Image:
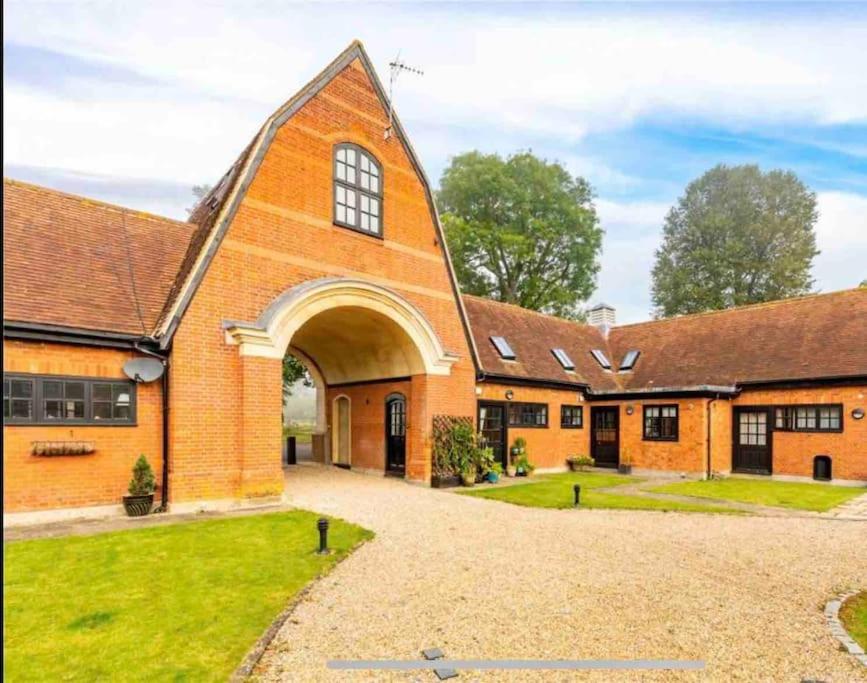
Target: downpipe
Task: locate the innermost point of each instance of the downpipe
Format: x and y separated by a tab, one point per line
164	359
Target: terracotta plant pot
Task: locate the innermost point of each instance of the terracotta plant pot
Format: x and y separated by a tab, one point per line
468	478
138	506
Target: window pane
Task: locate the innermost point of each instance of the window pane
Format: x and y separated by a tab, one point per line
75	390
350	157
341	154
350	216
341	213
6	388
341	195
350	175
365	181
52	389
101	392
74	410
374	184
374	206
374	224
365	222
350	199
365	203
53	410
101	411
122	412
21	408
341	171
365	162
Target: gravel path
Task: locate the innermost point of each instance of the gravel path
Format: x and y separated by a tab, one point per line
484	579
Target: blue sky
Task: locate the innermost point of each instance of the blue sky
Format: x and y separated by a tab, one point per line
134	103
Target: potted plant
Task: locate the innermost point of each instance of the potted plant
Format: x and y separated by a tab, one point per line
141	489
578	463
494	472
523	467
625	464
519	448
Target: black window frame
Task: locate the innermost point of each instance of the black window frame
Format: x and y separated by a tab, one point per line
37	413
357	190
503	347
625	364
674	434
790	417
9	397
600	357
564	359
525	409
565	410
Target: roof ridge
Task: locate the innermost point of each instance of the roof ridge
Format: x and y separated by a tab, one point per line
528	310
147	215
745	307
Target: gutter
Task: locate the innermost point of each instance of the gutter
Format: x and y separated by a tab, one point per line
531	382
708	465
164	358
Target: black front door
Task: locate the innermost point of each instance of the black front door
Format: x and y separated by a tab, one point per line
492	425
604	436
752	441
395	434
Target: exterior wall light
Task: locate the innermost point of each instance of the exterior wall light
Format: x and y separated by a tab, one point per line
858	414
630	409
510	395
478	391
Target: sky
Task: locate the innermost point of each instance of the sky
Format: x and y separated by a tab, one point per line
134	103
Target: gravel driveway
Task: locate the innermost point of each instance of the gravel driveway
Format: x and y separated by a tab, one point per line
484	579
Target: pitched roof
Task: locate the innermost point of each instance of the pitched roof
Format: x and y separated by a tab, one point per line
77	262
532	337
817	336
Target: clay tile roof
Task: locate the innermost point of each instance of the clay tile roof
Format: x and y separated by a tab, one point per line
532	336
818	336
74	262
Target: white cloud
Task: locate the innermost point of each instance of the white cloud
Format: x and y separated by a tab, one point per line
841	236
528	77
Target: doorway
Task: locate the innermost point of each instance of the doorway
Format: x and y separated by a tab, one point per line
395	434
605	436
341	439
752	442
492	425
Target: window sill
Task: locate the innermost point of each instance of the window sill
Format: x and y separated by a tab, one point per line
359	231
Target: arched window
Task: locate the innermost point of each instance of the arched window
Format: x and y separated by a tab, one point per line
357	189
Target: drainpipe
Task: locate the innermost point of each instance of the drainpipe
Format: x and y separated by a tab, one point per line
708	470
164	487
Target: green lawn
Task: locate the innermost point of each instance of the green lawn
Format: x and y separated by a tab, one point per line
303	433
555	491
173	603
853	614
801	496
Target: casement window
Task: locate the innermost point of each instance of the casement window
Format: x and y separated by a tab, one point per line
813	418
660	423
528	415
357	189
51	399
571	417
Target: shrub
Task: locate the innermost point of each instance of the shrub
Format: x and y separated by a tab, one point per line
580	462
143	481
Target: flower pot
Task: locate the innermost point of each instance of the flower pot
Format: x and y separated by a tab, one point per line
138	506
445	481
574	466
493	477
624	469
510	471
468	478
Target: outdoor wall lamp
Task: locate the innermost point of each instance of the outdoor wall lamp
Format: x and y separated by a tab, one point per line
510	395
630	410
858	414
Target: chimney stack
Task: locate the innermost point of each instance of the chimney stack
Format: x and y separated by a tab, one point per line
602	316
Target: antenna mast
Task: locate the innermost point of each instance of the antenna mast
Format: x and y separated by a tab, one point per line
396	67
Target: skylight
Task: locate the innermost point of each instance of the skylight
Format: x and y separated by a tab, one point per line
629	359
503	348
601	358
563	359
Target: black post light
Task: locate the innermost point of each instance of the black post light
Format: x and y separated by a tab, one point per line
322	525
577	489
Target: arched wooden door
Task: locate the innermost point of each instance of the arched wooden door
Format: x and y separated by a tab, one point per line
395	434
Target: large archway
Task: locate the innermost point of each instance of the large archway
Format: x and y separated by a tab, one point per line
361	342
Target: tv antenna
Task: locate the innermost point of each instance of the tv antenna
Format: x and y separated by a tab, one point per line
397	67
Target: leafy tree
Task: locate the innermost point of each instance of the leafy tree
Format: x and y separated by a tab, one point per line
737	236
863	283
199	192
293	370
521	230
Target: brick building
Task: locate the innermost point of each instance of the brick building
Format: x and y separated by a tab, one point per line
322	240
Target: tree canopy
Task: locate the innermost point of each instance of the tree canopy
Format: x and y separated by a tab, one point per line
737	236
521	230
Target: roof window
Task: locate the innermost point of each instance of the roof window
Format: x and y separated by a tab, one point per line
601	358
563	358
629	360
503	348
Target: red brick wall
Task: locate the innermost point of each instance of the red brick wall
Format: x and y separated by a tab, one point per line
793	452
283	235
38	483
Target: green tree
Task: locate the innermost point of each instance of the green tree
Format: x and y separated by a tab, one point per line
293	370
521	230
737	236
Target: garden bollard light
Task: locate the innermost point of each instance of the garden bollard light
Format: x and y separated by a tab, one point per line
577	488
322	525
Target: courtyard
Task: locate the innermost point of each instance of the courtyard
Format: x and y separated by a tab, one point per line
483	579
